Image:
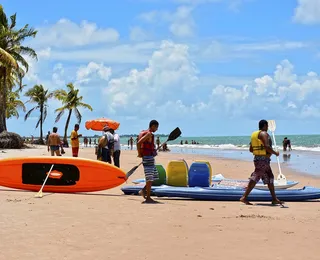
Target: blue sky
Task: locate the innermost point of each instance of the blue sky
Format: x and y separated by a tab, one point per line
211	67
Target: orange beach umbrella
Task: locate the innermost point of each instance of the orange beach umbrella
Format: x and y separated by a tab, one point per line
100	123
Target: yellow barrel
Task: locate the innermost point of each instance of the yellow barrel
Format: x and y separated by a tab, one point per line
177	173
210	168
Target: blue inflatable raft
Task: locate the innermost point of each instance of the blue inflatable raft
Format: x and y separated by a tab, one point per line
226	194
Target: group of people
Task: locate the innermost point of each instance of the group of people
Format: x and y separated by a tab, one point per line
55	144
260	146
186	142
109	147
286	143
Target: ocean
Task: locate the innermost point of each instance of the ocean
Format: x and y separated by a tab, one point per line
298	142
304	157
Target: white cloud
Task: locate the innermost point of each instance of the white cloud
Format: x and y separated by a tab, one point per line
137	34
58	75
280	95
169	87
271	46
169	73
124	53
222	51
44	53
66	33
183	24
151	17
86	73
307	12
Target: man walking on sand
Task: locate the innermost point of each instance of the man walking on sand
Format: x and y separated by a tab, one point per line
261	147
146	151
75	140
54	142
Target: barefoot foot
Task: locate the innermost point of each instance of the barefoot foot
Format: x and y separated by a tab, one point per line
142	193
150	201
244	200
277	202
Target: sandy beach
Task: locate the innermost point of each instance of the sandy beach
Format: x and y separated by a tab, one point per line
110	225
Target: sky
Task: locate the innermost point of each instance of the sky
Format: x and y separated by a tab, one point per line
210	67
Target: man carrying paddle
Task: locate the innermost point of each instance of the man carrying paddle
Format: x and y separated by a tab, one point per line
146	151
261	147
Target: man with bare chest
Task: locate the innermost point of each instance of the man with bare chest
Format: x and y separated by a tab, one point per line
54	142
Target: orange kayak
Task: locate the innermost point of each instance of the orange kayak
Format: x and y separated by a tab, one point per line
68	175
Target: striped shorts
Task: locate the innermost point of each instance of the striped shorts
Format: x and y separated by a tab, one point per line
150	170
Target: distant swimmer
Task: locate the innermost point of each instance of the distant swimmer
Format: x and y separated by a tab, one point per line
261	147
286	143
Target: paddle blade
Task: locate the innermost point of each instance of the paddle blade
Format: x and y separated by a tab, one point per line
129	173
39	195
272	125
174	134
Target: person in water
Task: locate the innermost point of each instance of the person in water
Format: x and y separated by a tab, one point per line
146	151
261	147
286	143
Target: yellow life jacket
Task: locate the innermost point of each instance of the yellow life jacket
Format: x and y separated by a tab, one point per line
257	145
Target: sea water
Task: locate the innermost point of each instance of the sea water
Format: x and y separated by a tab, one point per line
304	157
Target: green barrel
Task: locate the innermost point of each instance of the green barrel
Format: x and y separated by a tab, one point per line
162	176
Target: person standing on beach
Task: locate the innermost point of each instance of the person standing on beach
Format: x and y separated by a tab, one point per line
131	142
146	151
54	142
158	142
106	145
261	147
75	140
116	149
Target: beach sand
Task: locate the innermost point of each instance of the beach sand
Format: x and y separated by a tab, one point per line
110	225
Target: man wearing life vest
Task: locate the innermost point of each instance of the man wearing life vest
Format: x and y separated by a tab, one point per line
146	151
261	147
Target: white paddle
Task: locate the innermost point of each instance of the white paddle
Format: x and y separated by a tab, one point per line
39	194
281	179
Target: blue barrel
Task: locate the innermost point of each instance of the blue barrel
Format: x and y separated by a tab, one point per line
199	175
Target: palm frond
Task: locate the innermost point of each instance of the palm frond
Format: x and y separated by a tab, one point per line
65	107
45	112
13	20
60	114
77	114
29	112
25	33
3	17
85	106
60	94
7	60
28	51
38	121
21	60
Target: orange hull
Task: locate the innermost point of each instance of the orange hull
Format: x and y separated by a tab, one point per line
68	175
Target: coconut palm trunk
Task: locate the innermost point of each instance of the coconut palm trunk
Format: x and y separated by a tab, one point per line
71	101
65	137
3	101
41	124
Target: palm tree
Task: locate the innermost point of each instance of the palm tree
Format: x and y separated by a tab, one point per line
13	104
70	102
13	65
39	96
